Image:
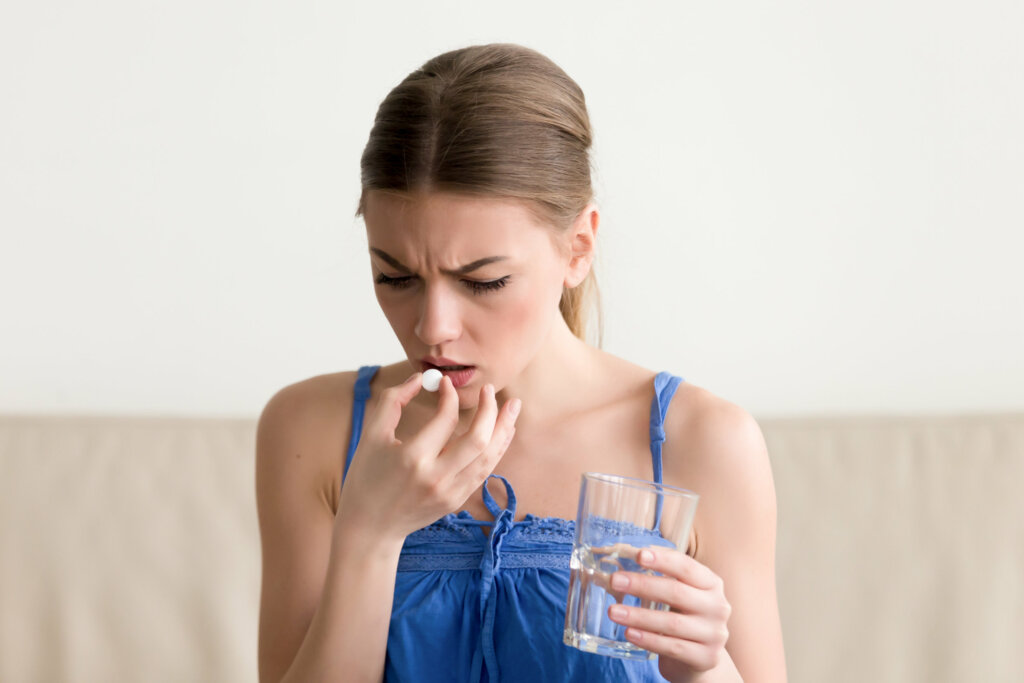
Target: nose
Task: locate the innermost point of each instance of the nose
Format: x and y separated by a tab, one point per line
439	317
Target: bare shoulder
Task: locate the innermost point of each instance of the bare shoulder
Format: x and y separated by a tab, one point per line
703	428
304	429
312	397
716	449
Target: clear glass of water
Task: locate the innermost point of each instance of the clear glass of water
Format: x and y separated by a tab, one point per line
616	519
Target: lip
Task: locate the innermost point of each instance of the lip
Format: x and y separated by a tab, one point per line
432	361
459	378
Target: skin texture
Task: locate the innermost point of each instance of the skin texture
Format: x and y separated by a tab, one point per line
541	408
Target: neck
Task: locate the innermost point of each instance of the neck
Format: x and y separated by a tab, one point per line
553	381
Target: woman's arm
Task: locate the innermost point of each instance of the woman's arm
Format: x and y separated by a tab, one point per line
721	454
326	591
347	638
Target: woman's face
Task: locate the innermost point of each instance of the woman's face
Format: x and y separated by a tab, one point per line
468	283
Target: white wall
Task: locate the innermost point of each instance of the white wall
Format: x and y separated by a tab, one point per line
808	207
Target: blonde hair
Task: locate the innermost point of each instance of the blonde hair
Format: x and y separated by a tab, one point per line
498	120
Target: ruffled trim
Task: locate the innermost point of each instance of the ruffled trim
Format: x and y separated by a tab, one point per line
458	528
550	528
431	562
450	528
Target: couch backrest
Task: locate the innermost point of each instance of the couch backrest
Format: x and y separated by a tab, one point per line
901	548
129	549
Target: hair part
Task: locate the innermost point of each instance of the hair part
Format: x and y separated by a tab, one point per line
498	120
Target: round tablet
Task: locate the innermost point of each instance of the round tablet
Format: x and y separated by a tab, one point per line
432	379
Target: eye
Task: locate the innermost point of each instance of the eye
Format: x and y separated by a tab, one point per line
394	282
484	287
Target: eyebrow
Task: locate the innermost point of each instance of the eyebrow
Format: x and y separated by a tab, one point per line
462	270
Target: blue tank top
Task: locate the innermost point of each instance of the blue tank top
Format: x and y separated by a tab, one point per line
470	606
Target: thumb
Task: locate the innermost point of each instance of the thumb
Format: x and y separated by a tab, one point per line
391	402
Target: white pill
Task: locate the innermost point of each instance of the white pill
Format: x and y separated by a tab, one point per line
432	379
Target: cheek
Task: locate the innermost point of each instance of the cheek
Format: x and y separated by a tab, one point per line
526	313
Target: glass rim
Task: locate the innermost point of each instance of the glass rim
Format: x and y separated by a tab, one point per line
642	484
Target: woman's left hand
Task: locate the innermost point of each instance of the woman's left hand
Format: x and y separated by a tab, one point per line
690	638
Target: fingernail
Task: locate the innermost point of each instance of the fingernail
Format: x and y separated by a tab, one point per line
414	376
514	408
620	581
646	557
617	612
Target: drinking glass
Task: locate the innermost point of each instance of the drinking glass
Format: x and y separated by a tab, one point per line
616	519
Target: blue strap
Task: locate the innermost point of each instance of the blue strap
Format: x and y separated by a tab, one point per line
665	385
361	394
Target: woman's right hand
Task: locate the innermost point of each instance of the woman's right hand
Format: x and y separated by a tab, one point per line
395	487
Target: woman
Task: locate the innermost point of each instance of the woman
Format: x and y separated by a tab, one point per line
385	552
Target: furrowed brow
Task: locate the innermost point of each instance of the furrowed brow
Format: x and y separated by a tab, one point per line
390	260
462	270
479	263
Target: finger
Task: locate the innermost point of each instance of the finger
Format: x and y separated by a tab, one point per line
663	589
698	656
477	469
686	626
471	444
435	434
675	563
610	564
391	402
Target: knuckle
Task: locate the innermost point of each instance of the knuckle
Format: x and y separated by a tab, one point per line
677	623
709	659
703	658
686	576
436	490
414	457
680	650
481	469
506	442
477	441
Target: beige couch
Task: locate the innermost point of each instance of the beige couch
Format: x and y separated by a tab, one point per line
129	549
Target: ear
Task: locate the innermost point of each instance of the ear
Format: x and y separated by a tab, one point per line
582	245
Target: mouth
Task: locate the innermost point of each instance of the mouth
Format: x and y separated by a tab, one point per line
460	375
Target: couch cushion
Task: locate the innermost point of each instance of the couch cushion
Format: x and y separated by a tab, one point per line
901	547
129	550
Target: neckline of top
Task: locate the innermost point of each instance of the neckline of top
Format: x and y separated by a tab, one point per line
466	517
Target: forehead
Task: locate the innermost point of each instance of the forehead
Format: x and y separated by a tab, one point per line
426	221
